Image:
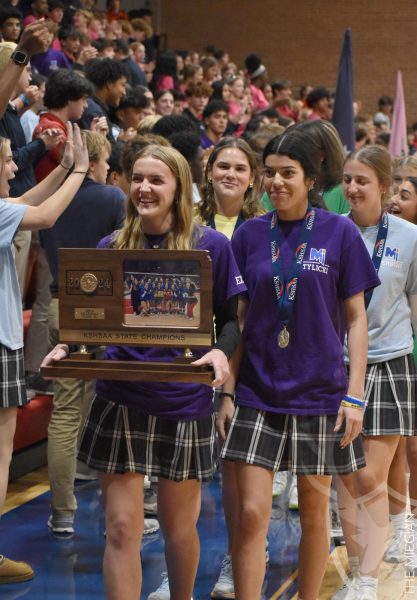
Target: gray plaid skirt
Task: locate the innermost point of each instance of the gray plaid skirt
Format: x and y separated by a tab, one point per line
120	439
303	444
12	378
390	396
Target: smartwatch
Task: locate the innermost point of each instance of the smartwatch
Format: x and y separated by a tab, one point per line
20	58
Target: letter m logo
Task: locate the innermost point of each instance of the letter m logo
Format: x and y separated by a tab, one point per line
392	253
318	255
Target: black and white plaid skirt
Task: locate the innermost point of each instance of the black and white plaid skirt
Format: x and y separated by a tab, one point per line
390	396
12	378
120	439
303	444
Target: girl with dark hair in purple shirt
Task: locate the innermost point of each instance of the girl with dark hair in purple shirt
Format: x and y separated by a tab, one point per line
306	270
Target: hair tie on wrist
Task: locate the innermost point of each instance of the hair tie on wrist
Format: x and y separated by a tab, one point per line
64	167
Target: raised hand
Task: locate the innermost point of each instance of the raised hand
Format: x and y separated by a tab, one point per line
51	137
67	159
35	38
81	162
99	125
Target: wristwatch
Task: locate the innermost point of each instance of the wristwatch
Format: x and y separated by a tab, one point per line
20	58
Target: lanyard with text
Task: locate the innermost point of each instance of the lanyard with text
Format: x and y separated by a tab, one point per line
286	290
212	224
378	253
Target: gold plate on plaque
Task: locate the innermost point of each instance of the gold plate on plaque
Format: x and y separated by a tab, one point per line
89	313
88	283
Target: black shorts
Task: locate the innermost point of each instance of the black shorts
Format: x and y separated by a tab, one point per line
12	378
306	445
120	439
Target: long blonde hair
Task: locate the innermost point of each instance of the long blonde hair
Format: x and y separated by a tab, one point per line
183	233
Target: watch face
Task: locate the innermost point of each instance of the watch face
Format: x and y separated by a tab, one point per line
20	57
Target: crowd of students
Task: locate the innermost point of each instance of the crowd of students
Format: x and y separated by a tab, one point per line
314	312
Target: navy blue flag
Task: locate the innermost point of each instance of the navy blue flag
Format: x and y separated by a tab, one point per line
343	118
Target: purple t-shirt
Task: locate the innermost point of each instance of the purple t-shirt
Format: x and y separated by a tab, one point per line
307	377
185	401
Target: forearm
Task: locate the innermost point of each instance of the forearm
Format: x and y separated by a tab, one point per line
413	305
45	215
45	188
9	78
357	336
234	363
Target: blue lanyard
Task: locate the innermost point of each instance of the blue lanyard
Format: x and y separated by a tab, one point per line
212	224
286	289
378	252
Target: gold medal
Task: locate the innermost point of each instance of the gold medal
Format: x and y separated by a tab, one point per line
283	338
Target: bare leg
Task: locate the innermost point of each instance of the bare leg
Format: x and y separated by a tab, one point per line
123	502
7	429
254	511
397	483
178	510
313	494
348	512
230	499
372	497
412	463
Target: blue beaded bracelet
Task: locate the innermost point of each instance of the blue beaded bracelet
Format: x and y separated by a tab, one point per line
353	400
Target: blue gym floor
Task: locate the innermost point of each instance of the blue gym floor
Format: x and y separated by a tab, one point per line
71	569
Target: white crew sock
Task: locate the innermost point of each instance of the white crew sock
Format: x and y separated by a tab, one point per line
398	522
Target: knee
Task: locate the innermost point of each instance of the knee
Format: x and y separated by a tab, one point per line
252	519
119	531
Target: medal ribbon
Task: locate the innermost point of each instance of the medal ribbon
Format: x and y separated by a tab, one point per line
378	252
240	220
286	289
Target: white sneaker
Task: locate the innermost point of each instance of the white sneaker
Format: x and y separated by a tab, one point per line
225	587
366	593
395	553
162	593
150	526
349	590
279	484
293	495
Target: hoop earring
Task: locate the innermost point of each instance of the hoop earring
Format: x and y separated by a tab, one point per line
209	180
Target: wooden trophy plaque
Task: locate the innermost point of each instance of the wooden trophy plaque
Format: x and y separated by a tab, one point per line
134	298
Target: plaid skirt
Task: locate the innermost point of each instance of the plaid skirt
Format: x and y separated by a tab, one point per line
303	444
390	396
12	378
120	439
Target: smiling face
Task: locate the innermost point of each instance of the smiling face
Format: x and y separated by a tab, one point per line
404	204
287	187
165	104
231	175
8	170
400	175
115	90
152	192
361	187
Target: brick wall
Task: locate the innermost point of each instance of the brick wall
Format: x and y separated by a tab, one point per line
301	39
